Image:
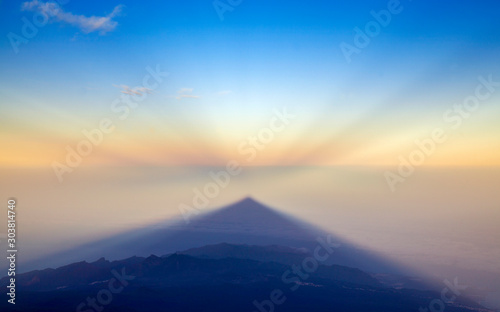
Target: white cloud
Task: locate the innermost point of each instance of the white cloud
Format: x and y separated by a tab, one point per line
186	93
54	12
133	91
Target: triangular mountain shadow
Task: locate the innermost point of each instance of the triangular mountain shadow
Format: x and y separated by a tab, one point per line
244	222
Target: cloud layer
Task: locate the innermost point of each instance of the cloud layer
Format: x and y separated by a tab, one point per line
54	12
186	93
133	91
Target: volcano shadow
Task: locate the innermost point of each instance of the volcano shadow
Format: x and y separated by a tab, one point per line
244	222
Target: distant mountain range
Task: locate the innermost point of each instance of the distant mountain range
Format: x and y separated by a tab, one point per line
203	279
242	257
181	268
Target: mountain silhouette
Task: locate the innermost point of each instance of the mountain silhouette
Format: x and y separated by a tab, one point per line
176	269
180	282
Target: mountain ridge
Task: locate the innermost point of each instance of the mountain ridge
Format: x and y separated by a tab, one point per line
182	282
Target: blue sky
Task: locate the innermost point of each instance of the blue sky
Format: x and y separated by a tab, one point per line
258	42
262	55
